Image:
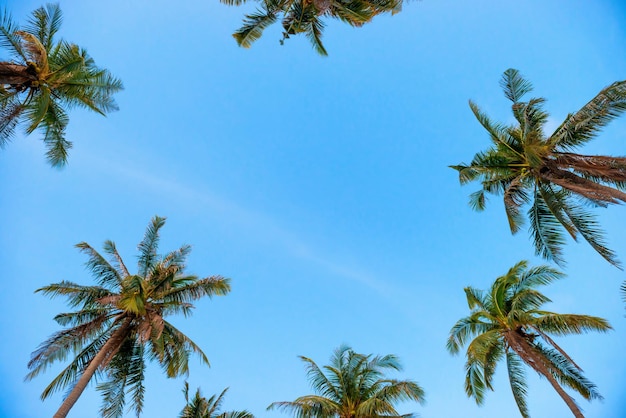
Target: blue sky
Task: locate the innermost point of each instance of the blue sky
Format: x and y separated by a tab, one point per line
319	185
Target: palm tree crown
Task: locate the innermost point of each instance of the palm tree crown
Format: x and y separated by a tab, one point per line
121	322
353	386
201	407
305	16
45	78
508	322
529	168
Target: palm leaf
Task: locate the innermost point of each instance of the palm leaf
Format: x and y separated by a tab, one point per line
517	378
514	85
149	245
253	26
546	231
584	125
9	40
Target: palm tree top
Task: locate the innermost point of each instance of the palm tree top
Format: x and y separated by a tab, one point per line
122	320
201	407
45	78
532	169
353	386
306	17
508	321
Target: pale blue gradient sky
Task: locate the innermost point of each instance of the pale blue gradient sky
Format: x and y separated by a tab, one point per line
319	185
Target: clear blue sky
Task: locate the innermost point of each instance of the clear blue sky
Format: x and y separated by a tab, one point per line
319	185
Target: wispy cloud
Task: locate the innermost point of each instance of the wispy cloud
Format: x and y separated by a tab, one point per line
257	224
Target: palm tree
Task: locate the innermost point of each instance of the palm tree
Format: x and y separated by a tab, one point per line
45	78
353	386
120	322
507	322
529	168
201	407
305	16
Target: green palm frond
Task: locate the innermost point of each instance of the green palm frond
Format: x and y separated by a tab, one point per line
514	198
514	85
566	324
9	40
499	134
106	274
590	230
253	26
567	374
45	23
466	328
149	245
314	33
77	295
53	125
557	201
116	263
354	13
530	277
210	286
545	230
582	126
319	381
517	378
475	385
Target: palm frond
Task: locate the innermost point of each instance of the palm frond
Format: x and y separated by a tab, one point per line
253	26
514	85
567	373
45	23
517	378
209	286
582	126
54	124
314	33
589	228
149	245
106	274
546	231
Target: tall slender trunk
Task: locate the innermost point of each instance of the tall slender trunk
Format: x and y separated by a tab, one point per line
14	74
528	355
108	350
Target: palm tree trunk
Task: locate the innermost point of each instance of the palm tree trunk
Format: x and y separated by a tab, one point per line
108	350
526	353
14	74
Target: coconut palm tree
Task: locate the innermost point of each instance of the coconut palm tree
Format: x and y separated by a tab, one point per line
305	16
120	322
46	77
353	386
507	322
530	168
201	407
